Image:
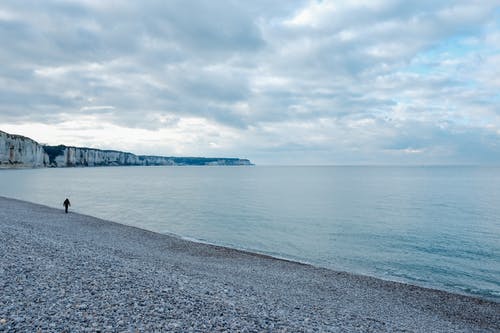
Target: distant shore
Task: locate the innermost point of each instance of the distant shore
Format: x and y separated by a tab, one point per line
17	151
71	272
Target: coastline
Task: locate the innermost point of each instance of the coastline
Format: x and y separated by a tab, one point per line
76	272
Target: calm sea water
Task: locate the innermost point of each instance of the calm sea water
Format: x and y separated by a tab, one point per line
437	227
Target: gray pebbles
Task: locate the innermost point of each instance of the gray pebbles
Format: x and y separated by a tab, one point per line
74	273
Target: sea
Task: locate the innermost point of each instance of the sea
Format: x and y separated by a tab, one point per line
432	226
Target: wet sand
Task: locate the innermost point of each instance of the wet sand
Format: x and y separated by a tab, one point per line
71	272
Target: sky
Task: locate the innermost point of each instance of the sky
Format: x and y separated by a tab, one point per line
359	82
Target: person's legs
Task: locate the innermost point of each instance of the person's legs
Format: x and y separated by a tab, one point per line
66	209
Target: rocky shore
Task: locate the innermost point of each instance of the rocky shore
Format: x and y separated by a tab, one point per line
71	272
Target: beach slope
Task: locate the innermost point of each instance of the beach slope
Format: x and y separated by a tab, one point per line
71	272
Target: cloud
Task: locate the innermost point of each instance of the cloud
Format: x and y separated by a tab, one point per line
382	81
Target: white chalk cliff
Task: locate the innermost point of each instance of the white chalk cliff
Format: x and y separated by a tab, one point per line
22	152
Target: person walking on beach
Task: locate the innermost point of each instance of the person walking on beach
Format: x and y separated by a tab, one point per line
66	204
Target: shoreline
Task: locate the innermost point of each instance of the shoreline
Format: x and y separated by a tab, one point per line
477	296
273	257
255	252
179	284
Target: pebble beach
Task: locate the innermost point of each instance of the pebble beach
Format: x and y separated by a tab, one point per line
76	273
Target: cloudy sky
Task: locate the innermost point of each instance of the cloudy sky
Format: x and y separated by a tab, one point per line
278	82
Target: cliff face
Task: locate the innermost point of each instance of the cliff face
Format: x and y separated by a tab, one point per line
19	151
62	156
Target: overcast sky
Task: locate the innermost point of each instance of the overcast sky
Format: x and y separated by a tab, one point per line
278	82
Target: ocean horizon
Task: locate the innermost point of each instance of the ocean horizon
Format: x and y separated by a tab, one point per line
432	226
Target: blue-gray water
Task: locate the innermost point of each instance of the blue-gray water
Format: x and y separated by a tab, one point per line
437	227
